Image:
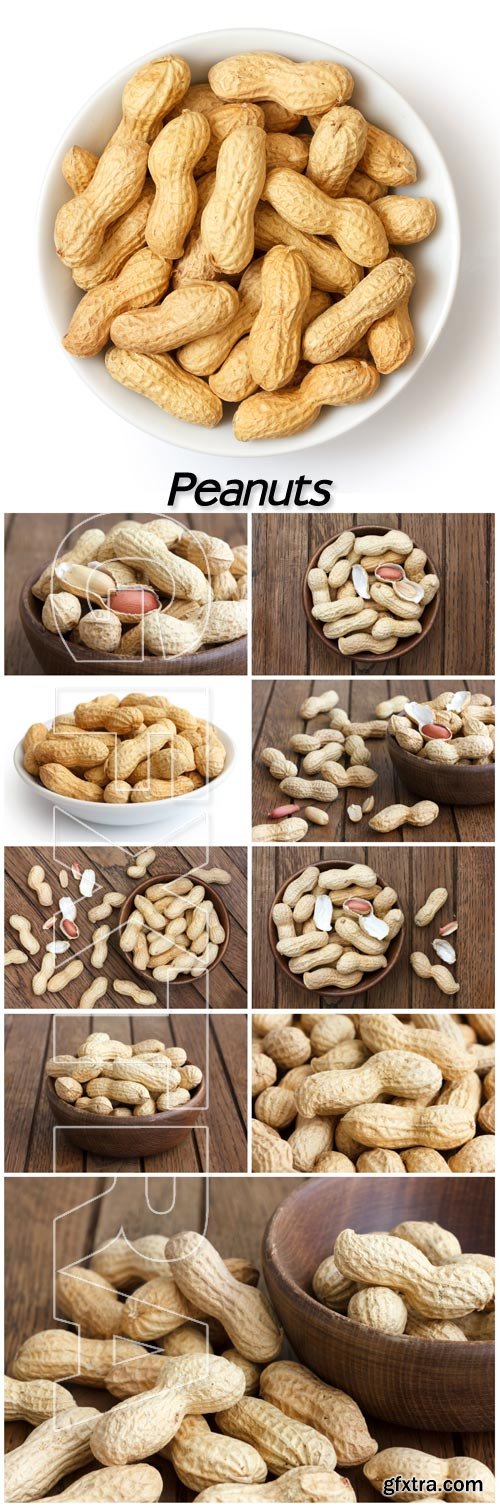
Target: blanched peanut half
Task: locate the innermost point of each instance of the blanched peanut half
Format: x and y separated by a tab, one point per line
227	224
381	290
188	313
274	340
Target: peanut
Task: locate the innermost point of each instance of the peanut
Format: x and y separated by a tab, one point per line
203	1278
392	817
22	926
35	1401
300	1395
59	1445
275	337
202	1458
142	281
378	1309
114	1484
418	1464
283	1442
143	1424
289	830
292	410
440	1126
227	223
164	382
438	972
351	223
303	1484
436	1293
395	1073
186	314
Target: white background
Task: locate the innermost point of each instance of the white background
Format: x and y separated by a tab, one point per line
437	440
224	701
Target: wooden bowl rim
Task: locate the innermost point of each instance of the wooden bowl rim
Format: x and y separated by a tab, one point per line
472	770
80	655
366	658
333	993
219	906
91	1120
438	1348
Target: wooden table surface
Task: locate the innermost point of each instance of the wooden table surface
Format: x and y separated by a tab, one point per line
225	988
462	549
276	717
238	1215
32	539
217	1045
467	875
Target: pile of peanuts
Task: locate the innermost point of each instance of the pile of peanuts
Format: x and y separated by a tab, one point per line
216	1342
345	900
324	774
413	1280
178	905
280	1432
177	589
164	223
116	1079
137	748
373	1093
370	590
453	728
184	932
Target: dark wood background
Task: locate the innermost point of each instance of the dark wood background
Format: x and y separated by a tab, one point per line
30	1040
227	981
276	717
238	1214
462	549
31	540
468	876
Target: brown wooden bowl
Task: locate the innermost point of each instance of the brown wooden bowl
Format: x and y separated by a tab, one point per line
57	656
427	1384
212	895
449	785
403	646
139	1136
368	980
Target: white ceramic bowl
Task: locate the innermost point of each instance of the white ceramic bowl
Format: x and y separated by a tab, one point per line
436	260
135	814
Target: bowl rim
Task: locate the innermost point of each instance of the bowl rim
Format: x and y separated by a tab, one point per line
431	608
472	769
332	993
95	809
284	1280
161	1117
212	894
80	654
269	39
